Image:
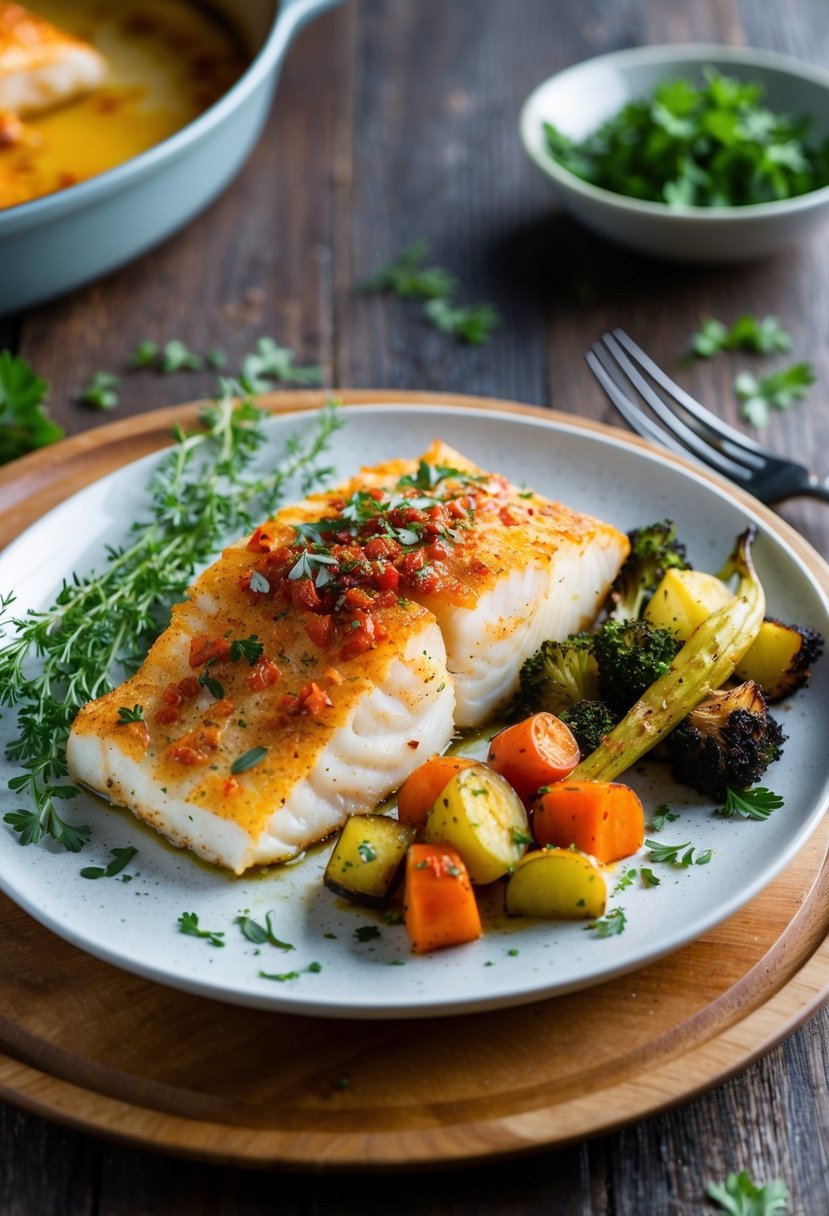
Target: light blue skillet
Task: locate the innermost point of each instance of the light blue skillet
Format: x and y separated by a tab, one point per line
58	242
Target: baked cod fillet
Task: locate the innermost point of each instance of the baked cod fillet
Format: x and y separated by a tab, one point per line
40	65
319	660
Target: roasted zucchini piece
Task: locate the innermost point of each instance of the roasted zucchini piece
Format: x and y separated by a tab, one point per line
366	865
557	884
483	817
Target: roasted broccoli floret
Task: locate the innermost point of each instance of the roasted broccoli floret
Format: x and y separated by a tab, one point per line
589	721
631	655
728	741
559	675
653	550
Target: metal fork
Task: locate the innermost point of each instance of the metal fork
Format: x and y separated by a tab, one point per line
642	392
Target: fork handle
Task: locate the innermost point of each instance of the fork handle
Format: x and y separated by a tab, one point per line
817	487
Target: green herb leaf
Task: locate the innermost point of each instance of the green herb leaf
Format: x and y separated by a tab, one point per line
739	1196
125	714
101	392
661	816
405	277
625	881
777	391
472	323
261	934
676	854
756	803
250	649
177	357
188	923
249	760
144	355
747	333
609	925
45	821
270	362
648	877
366	933
24	422
120	860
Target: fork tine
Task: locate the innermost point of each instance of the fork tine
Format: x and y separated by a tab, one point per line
706	423
687	437
636	417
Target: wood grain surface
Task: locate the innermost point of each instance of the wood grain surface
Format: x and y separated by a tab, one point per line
110	1052
395	120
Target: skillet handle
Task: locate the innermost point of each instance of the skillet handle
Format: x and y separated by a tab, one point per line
293	14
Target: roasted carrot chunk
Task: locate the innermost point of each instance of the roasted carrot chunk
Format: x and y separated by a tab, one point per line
439	905
420	791
535	752
603	818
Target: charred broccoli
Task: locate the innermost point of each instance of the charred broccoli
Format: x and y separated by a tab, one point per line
559	675
589	721
728	741
653	550
631	655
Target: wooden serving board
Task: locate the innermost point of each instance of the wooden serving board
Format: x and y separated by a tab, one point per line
108	1052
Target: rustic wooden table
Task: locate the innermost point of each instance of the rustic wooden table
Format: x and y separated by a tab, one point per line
396	120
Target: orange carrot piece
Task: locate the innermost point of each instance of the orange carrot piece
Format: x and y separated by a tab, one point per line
420	791
439	905
535	752
603	818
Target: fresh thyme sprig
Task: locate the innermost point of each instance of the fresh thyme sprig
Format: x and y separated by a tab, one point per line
52	661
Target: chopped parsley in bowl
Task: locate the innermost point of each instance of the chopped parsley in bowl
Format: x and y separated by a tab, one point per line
692	153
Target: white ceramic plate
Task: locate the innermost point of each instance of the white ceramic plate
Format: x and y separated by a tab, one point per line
133	924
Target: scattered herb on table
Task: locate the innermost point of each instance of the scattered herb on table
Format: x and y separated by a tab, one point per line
776	391
739	1196
747	333
408	279
24	421
269	363
756	803
120	860
677	854
688	145
610	925
101	391
188	923
144	355
261	935
472	323
202	493
177	357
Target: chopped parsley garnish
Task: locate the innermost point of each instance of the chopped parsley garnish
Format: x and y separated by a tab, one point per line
663	815
648	877
101	391
177	357
610	925
366	933
248	760
776	391
367	851
24	421
687	145
125	714
408	279
677	854
756	803
284	976
250	649
259	934
188	923
213	686
270	362
120	860
625	881
747	333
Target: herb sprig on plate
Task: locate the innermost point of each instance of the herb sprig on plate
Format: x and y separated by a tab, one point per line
53	661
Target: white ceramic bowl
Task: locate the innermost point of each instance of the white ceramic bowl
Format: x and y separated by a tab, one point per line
582	97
